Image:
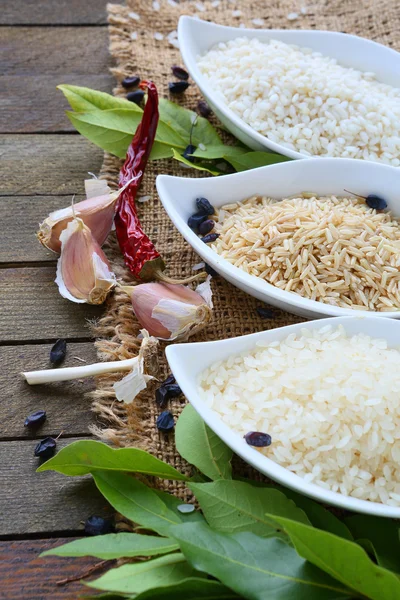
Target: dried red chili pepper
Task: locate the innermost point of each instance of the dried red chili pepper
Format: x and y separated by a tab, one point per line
139	251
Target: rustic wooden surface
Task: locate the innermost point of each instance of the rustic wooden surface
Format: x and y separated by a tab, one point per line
34	578
43	163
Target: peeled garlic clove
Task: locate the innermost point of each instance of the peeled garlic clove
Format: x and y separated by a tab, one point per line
96	187
83	270
168	311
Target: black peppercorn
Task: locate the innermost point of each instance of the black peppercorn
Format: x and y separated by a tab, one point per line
98	526
265	313
195	220
211	237
203	109
188	152
206	226
376	202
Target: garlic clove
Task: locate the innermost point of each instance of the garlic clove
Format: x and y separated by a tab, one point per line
168	311
129	386
83	270
96	187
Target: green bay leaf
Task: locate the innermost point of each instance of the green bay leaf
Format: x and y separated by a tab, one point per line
342	559
198	166
136	501
172	502
115	545
143	576
253	160
83	99
201	447
382	533
88	456
181	120
220	151
232	506
258	568
193	588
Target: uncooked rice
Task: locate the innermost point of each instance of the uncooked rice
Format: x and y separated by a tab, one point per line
305	101
329	402
330	249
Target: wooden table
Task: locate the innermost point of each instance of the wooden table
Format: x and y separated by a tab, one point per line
43	163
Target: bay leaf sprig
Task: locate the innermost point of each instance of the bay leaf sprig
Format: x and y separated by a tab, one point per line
110	122
257	541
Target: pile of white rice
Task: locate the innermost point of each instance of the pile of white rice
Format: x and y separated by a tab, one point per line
333	250
305	101
330	403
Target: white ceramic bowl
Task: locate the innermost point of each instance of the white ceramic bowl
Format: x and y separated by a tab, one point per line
323	176
187	361
196	37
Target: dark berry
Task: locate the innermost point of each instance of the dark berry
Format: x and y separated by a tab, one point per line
376	202
129	82
36	419
177	87
210	271
188	152
210	237
179	72
162	396
170	379
206	226
136	97
204	206
195	220
46	448
58	352
98	526
265	313
165	421
258	439
203	109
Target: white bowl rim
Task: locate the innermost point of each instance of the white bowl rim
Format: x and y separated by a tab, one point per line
223	108
261	462
252	281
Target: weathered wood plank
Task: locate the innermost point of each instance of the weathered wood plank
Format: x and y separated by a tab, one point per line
67	408
31	307
27	212
46	164
29	101
54	51
41	107
45	502
25	576
57	12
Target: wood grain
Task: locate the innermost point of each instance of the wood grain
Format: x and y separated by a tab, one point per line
25	576
32	309
56	12
32	104
67	408
31	71
46	164
28	212
45	502
54	51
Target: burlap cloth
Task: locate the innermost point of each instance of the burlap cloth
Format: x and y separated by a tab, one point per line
235	312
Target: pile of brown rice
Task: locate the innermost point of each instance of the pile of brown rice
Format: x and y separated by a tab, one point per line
334	250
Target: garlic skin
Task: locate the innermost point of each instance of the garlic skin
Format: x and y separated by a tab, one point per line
83	271
96	212
169	311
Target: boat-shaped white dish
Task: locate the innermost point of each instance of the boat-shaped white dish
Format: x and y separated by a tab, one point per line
197	36
187	361
323	176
